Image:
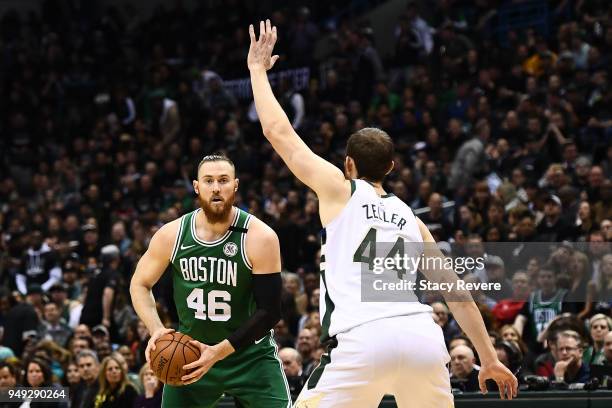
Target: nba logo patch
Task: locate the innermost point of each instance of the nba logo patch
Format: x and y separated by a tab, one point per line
230	249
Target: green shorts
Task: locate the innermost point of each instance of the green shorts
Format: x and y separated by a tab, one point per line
254	377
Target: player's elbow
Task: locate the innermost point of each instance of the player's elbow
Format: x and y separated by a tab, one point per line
274	316
271	316
276	128
137	286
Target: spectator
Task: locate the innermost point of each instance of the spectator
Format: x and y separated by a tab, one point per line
38	374
584	221
306	344
166	117
445	321
608	349
292	102
89	367
470	157
89	247
553	228
78	344
570	367
101	288
435	219
599	326
100	334
506	310
292	366
510	355
72	378
496	273
580	290
39	265
54	326
21	318
464	374
9	376
604	282
71	274
292	286
509	333
152	395
131	377
369	67
282	337
119	237
114	388
541	308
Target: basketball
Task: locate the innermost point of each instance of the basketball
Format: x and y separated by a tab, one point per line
172	352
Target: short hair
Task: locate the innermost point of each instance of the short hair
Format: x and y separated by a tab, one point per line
293	353
460	337
87	353
600	316
88	339
215	158
570	334
547	270
372	150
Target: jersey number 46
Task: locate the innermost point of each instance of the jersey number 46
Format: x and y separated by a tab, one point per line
218	309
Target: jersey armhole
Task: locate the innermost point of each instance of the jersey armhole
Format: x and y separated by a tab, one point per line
178	239
245	257
348	203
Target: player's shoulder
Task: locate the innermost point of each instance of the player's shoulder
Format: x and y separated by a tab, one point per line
167	232
260	231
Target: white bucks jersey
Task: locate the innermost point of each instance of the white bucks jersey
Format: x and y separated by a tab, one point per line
350	241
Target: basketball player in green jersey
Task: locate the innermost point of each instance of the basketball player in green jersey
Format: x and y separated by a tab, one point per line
227	289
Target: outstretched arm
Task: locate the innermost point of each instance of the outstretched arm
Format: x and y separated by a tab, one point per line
318	174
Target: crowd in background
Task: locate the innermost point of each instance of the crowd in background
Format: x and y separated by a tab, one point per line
105	114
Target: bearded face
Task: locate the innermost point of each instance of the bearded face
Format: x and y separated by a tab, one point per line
217	208
216	188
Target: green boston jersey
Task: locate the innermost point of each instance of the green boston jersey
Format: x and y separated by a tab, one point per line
544	312
212	280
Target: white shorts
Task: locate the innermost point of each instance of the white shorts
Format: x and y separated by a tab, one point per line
404	356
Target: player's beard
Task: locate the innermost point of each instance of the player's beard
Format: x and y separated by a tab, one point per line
217	214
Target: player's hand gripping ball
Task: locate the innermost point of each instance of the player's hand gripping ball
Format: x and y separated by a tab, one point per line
172	352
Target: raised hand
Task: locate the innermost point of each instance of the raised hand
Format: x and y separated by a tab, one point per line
260	52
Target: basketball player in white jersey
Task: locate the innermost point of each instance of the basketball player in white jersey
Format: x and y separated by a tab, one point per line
376	348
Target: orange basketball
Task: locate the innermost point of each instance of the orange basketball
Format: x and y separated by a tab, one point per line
172	352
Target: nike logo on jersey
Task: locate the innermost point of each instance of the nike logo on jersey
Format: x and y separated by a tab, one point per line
183	247
260	340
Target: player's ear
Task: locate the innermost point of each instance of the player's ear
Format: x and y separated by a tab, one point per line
236	182
195	187
390	167
349	164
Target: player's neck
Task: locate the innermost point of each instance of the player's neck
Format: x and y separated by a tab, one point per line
209	231
377	187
